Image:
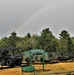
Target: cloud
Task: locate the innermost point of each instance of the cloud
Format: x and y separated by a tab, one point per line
36	15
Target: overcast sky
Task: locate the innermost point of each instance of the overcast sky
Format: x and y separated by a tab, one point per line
32	16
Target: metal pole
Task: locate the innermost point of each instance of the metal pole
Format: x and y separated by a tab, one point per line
43	60
30	58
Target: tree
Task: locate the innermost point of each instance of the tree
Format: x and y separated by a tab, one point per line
46	40
65	42
13	40
28	35
27	43
64	34
4	43
63	46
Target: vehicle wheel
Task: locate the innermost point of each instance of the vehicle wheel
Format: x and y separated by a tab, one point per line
9	62
42	60
2	61
18	62
27	60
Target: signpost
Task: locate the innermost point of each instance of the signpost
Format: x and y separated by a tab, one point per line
30	58
35	51
43	53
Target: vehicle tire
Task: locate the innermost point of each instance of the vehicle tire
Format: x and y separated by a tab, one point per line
9	62
42	60
2	61
19	62
27	60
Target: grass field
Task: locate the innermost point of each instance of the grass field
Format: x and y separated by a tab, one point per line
48	69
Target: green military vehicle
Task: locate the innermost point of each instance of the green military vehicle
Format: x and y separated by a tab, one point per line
36	55
8	59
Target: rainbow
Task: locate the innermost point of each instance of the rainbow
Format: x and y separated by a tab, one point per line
49	6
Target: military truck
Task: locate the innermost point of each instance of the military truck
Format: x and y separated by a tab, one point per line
49	57
36	55
9	60
60	56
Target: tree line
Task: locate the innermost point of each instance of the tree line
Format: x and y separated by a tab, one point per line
46	41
